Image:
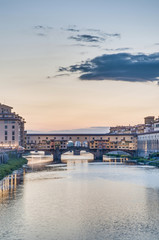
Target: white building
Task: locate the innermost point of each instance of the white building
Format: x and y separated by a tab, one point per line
11	128
148	143
156	125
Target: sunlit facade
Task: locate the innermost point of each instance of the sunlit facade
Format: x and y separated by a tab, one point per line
12	133
93	141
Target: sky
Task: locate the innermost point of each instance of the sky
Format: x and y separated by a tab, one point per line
80	64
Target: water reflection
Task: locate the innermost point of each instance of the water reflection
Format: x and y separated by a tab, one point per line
9	185
115	159
80	200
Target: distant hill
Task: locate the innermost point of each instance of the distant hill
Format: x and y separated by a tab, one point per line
92	130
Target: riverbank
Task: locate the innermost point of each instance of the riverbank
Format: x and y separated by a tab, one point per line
12	164
151	161
148	161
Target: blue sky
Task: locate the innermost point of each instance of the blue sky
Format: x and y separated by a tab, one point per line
39	38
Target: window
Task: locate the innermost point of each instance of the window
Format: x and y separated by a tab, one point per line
13	138
13	133
13	127
85	137
6	126
6	138
6	132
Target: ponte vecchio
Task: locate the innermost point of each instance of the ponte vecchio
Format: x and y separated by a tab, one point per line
97	144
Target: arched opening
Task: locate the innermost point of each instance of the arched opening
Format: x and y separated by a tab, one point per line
76	151
85	144
78	144
69	156
70	144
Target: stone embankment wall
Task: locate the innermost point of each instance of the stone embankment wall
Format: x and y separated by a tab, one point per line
5	155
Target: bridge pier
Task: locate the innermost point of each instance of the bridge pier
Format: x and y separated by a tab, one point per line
76	152
57	156
98	155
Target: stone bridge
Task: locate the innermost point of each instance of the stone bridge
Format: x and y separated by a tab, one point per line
97	153
97	144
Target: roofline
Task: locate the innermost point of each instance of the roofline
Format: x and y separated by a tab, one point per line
154	132
1	104
80	134
12	119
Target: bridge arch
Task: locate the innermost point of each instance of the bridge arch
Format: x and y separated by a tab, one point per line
121	152
76	153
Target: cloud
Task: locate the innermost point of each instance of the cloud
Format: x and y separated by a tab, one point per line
42	31
87	38
122	49
104	34
86	45
41	27
58	75
84	31
79	45
118	49
120	66
72	30
89	35
62	75
41	34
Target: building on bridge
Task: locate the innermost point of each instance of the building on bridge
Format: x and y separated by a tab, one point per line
114	145
12	134
92	141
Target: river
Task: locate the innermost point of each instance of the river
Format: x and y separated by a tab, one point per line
80	200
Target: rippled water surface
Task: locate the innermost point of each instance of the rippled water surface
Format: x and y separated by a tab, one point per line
80	200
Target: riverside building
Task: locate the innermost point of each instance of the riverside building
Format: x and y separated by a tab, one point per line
12	134
148	143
